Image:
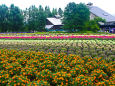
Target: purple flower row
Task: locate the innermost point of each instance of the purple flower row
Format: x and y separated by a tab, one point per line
57	37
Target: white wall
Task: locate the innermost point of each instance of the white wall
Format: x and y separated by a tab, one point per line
92	16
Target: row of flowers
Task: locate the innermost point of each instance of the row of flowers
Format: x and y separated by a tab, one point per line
93	48
51	33
30	68
58	37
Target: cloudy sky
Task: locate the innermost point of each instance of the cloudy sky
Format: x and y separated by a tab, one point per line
107	5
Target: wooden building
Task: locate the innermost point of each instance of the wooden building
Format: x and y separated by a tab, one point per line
54	24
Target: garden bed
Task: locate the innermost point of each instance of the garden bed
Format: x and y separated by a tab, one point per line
93	48
26	68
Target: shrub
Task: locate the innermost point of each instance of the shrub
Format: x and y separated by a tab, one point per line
82	80
39	83
18	81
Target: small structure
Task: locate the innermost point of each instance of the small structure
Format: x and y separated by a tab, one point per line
109	25
54	23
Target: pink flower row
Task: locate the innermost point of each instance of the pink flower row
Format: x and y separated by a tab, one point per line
58	37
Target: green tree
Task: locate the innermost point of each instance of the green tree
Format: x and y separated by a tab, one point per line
60	12
4	22
26	16
75	16
15	18
70	17
48	12
36	19
83	15
41	19
54	12
93	25
98	19
33	18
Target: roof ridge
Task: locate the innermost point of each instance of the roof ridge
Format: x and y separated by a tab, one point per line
101	13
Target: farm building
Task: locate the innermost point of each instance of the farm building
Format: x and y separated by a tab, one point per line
54	23
109	25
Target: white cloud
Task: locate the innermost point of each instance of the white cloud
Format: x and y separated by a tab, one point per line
107	5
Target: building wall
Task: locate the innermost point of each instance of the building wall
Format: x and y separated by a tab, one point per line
110	23
55	27
48	22
92	16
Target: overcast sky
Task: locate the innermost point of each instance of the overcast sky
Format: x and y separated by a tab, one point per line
107	5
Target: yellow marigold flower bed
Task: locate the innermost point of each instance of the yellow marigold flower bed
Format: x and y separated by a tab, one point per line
30	68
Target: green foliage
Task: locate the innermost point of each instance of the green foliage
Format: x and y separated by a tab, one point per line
3	18
98	19
93	25
69	17
11	19
33	18
36	19
75	16
18	81
15	19
60	12
82	16
48	12
42	19
39	83
69	70
54	12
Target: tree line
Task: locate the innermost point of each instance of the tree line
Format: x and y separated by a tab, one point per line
76	17
13	19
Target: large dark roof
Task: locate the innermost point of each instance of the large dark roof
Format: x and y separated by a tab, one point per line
101	13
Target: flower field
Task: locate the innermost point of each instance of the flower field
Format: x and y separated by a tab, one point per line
29	59
57	37
93	48
30	68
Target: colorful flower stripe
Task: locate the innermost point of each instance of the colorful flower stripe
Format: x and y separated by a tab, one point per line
57	37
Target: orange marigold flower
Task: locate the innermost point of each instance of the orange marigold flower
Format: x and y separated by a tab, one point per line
100	76
61	83
94	77
81	83
14	84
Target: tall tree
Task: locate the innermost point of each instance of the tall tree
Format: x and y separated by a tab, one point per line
83	15
75	16
54	12
36	19
42	19
26	17
4	22
48	12
60	12
33	18
70	19
15	18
